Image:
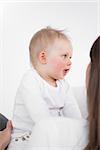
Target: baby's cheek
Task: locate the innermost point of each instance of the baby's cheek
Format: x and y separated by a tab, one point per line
57	64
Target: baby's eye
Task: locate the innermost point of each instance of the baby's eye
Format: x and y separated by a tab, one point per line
64	55
70	57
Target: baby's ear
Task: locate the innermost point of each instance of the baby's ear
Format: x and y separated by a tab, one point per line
42	57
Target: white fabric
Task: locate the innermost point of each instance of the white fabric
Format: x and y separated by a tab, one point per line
36	100
81	98
59	134
56	134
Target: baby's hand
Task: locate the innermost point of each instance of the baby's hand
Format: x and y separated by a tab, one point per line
5	136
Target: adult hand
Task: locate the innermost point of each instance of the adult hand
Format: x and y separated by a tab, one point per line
5	136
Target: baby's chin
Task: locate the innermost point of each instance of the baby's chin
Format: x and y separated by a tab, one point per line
61	77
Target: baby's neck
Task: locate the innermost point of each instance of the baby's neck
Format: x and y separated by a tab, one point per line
47	78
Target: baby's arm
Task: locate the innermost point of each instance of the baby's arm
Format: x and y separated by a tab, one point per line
71	108
35	105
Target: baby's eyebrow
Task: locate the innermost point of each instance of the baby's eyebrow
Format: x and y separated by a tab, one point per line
69	53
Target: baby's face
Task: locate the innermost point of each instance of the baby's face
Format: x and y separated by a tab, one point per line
59	59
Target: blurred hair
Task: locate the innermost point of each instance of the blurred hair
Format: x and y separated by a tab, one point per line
93	95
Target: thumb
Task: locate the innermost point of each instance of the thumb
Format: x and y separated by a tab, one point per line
9	125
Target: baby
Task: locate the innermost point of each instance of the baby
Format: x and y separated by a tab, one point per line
43	91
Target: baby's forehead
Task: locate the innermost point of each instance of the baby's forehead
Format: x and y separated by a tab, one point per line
63	44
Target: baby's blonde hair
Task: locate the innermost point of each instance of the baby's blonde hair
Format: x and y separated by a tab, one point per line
42	40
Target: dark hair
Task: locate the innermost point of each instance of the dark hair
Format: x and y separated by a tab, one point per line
93	96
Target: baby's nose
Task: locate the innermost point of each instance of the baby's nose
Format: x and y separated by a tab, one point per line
69	62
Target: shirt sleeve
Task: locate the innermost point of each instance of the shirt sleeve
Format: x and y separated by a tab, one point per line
71	108
35	105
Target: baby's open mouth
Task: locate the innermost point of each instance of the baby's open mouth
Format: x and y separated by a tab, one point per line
66	71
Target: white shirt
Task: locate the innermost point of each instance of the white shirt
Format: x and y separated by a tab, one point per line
37	100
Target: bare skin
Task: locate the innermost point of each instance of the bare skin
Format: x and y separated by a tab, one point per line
5	136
